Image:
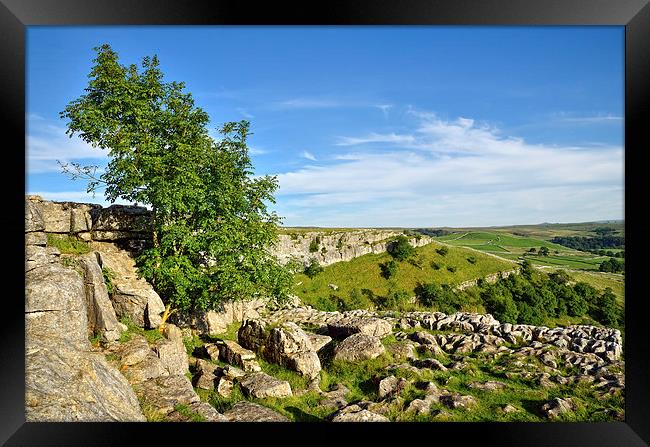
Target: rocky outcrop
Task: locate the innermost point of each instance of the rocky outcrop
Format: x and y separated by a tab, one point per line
290	346
328	247
133	297
215	322
64	379
101	315
357	413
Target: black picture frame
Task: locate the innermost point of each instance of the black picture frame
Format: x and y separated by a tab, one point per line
16	15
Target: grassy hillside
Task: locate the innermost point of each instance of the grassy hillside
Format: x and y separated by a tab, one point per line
513	247
364	272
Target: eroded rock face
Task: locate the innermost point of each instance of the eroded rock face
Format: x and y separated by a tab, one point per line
133	296
250	412
64	380
171	351
162	394
101	315
63	384
359	347
556	407
233	353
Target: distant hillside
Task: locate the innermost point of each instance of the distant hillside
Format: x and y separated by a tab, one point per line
457	266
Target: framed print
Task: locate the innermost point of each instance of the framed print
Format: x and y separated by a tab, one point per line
251	221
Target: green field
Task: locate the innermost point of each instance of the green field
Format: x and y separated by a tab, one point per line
364	273
548	231
514	247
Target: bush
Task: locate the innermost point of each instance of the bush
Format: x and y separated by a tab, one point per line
612	265
314	244
442	251
606	310
441	298
356	300
498	301
451	268
435	265
471	260
401	249
389	268
313	269
395	300
416	262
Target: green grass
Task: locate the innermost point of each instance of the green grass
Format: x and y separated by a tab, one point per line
601	281
191	415
364	273
504	242
68	244
151	335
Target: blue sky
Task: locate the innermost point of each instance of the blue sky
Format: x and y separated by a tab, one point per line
375	126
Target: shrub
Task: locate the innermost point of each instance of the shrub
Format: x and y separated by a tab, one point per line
314	244
356	300
401	249
442	251
441	298
109	276
500	304
471	260
416	261
313	269
435	265
388	268
606	310
451	268
394	300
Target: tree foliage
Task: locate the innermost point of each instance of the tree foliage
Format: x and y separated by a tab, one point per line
211	228
401	249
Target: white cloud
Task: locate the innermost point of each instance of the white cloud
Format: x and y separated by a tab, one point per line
253	150
47	142
456	172
375	138
243	112
308	155
385	108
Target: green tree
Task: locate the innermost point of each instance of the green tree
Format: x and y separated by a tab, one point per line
314	268
388	268
401	249
210	225
606	310
543	251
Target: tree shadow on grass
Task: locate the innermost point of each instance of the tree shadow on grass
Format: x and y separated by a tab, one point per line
301	416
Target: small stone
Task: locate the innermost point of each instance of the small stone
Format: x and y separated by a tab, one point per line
261	385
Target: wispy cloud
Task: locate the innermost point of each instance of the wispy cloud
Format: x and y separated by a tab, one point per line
385	108
308	155
457	172
254	150
243	112
307	103
592	119
376	138
47	143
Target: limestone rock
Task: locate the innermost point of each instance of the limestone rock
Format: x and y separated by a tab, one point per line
356	413
455	400
431	364
133	297
162	394
133	351
252	334
63	384
34	214
359	347
288	345
261	385
233	353
120	221
201	412
101	315
212	351
149	368
244	411
403	350
55	306
224	386
389	386
36	256
171	351
557	406
347	326
36	238
318	341
490	385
